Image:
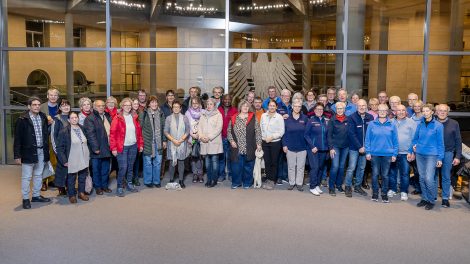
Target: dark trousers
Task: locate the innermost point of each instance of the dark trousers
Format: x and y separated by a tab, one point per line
242	172
317	162
72	177
126	161
271	157
380	168
100	172
60	175
180	164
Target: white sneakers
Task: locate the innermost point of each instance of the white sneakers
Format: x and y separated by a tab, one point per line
316	191
391	193
404	196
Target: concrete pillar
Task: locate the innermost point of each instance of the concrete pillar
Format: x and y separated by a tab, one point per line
4	81
355	67
456	44
378	41
339	41
69	58
153	60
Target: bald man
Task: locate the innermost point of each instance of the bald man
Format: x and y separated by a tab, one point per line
412	99
358	123
96	127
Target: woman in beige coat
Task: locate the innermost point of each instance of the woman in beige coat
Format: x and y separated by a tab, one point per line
210	137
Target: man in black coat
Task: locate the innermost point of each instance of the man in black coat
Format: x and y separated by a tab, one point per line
96	128
31	150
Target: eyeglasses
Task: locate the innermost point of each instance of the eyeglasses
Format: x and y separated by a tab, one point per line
339	108
382	111
127	105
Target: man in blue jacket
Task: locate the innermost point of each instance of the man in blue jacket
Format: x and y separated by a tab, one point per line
358	123
453	150
271	95
343	97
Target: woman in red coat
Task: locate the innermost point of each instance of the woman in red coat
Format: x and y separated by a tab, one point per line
125	139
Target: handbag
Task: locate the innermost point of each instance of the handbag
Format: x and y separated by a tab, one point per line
48	170
88	184
196	149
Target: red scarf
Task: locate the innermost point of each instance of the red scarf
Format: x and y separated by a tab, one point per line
85	114
340	118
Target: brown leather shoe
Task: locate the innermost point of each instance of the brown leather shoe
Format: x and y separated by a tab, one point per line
107	190
73	199
83	197
99	192
44	186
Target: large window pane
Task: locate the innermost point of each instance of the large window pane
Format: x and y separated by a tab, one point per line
168	24
11	117
57	23
449	81
396	74
162	71
285	24
32	73
257	71
449	25
386	25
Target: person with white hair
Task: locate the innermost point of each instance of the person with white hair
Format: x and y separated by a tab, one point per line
412	99
452	152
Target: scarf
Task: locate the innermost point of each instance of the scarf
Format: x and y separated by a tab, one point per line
85	113
156	129
211	113
340	118
195	113
177	131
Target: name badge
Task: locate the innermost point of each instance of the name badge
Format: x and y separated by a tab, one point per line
359	126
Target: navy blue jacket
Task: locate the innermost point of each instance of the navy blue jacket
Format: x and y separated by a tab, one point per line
338	133
293	137
452	138
357	130
96	134
316	133
284	109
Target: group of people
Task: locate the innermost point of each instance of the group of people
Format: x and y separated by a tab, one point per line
326	135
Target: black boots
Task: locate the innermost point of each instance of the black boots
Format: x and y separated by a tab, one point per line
181	182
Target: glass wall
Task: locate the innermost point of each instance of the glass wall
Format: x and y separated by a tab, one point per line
399	46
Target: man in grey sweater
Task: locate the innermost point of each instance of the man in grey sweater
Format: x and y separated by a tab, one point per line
406	129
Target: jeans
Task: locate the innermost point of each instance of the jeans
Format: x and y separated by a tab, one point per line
337	167
224	159
282	167
415	179
212	167
317	162
271	157
445	171
100	168
427	180
126	161
196	166
152	168
32	171
400	167
380	167
242	172
357	162
137	162
72	177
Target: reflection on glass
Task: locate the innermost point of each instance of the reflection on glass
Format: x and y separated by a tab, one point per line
47	23
158	72
168	24
449	25
284	24
258	71
398	75
449	81
386	25
33	73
